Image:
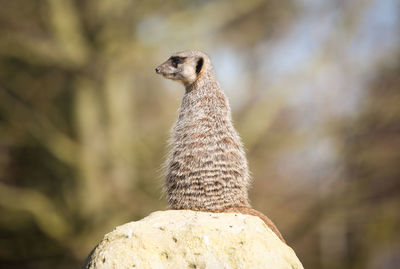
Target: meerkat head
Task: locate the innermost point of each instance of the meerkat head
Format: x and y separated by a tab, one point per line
186	66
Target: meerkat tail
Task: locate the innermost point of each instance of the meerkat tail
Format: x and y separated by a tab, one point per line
253	212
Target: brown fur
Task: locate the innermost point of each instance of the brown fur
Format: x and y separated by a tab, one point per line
207	168
253	212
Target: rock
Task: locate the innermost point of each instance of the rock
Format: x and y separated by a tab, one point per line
190	239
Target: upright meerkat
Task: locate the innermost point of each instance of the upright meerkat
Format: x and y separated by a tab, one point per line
207	167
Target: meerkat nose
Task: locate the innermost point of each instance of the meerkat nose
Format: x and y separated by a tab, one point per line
158	70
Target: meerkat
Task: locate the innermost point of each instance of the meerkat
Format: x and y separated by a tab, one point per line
206	169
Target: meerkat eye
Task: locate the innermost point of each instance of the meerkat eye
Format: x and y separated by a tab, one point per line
176	60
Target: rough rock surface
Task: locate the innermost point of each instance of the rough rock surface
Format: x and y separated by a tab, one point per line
190	239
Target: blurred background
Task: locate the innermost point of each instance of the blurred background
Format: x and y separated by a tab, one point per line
315	92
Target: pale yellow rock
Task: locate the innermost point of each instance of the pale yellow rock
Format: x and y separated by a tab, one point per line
190	239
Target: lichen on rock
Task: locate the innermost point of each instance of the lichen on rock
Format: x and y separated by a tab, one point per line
192	239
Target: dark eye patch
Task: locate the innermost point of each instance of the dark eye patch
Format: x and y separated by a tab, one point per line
176	60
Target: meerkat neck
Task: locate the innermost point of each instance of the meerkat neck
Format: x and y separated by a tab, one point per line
205	82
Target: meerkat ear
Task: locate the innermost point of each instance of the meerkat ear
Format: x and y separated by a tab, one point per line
199	64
